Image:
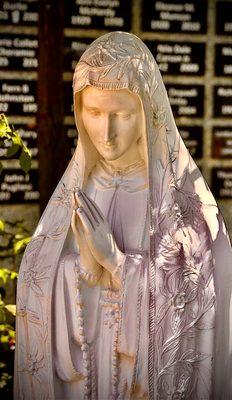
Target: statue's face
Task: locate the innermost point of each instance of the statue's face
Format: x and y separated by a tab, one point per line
112	119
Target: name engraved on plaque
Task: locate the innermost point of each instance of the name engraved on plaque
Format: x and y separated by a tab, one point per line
175	58
17	187
222	182
192	136
98	14
22	12
224	17
74	48
223	62
18	52
222	142
18	97
174	16
186	100
222	101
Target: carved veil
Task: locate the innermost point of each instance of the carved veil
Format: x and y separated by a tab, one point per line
189	258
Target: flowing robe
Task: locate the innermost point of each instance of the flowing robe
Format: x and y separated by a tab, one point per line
113	349
101	334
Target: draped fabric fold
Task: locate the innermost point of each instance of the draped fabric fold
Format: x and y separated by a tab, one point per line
181	275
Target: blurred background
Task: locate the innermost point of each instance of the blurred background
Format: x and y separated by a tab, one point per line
40	44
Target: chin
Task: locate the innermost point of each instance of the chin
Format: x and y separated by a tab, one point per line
110	157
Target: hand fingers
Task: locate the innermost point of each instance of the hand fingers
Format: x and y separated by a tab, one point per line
75	220
86	221
92	206
83	202
76	223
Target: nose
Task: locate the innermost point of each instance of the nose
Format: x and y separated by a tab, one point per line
108	131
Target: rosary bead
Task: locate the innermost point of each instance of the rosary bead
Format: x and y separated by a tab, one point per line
84	347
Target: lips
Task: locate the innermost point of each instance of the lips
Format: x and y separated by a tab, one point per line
108	146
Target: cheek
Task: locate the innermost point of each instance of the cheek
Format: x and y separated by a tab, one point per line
129	131
91	127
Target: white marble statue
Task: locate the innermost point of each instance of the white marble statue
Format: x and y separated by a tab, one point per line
124	291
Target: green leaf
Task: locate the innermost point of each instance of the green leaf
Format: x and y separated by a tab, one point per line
16	139
5	327
11	308
12	150
2	225
1	167
19	236
7	132
4	274
4	126
4	338
25	160
21	244
13	275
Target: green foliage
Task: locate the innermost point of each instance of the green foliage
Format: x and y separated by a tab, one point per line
4	378
8	135
6	273
7	340
14	238
2	225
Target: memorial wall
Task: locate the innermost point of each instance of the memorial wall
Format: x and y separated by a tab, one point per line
192	44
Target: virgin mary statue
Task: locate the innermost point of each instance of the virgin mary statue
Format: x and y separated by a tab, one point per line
124	291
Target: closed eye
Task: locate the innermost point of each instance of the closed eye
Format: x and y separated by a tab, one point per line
124	115
94	113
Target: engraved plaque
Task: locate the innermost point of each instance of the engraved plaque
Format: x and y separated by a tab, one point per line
222	142
223	61
24	13
174	16
18	52
177	58
224	17
223	101
98	14
186	100
18	187
222	182
18	97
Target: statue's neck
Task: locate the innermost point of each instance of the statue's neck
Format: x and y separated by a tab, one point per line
129	158
123	169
